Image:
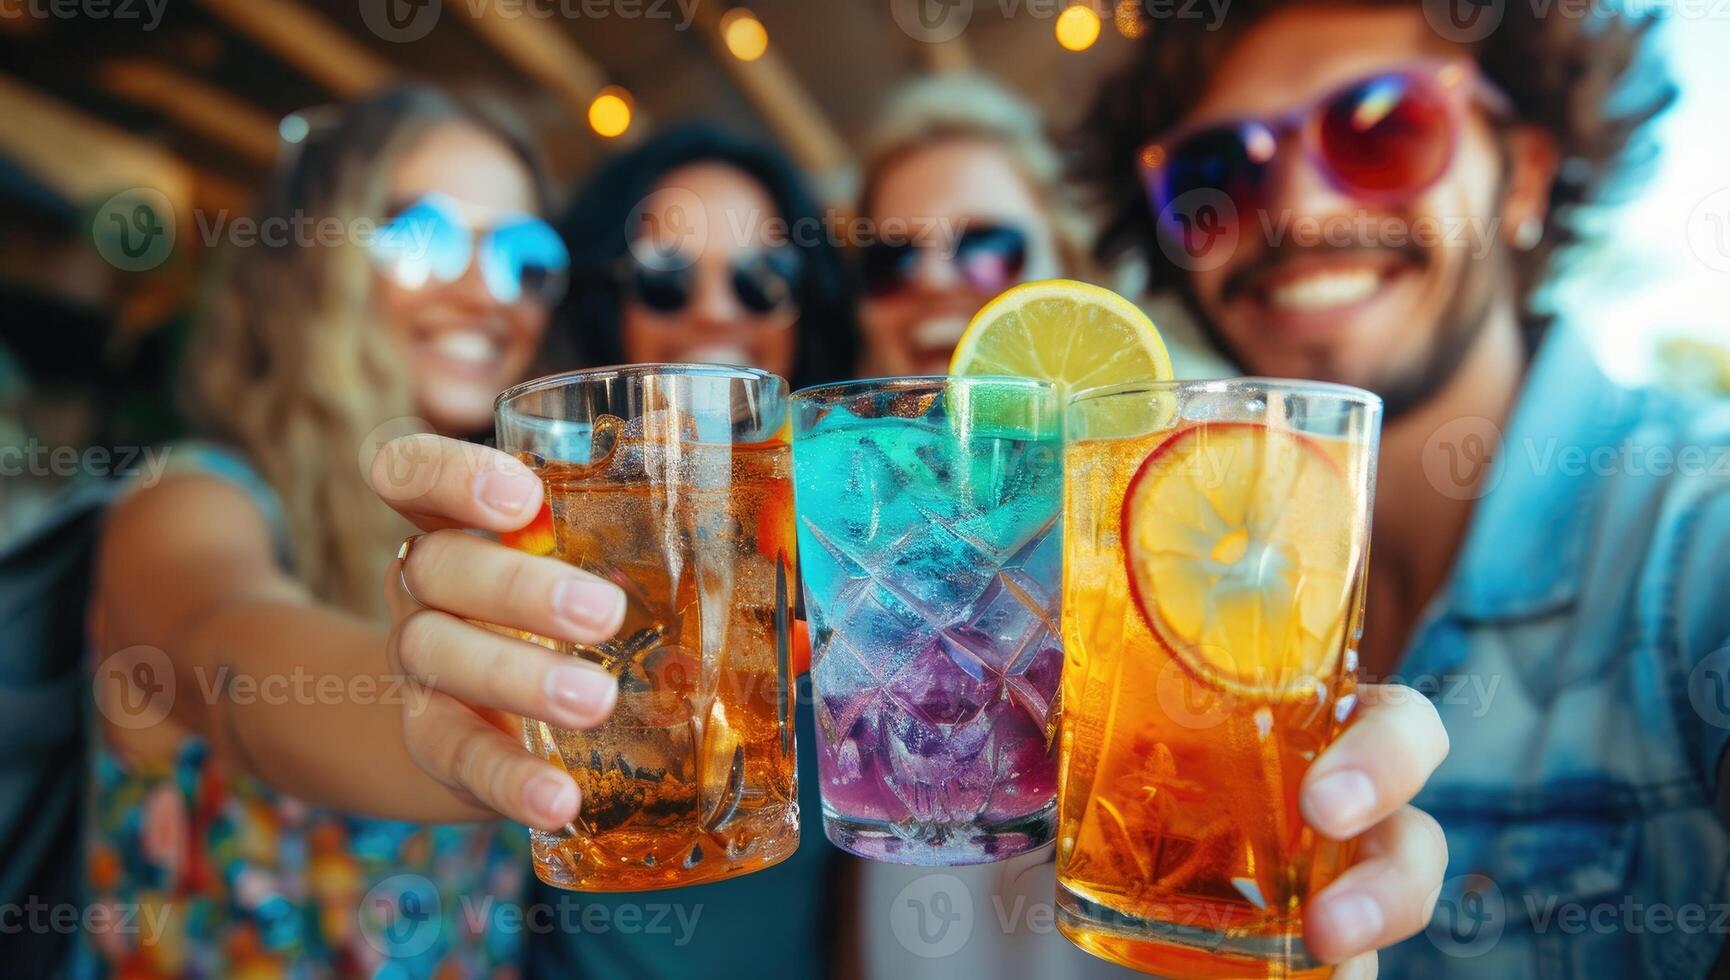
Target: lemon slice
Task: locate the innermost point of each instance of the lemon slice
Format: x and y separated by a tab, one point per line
1242	556
1072	334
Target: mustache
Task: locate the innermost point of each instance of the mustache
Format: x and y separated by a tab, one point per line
1273	256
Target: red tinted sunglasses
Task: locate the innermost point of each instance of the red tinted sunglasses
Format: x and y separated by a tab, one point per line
1379	139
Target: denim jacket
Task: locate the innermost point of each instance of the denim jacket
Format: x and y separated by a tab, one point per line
1580	659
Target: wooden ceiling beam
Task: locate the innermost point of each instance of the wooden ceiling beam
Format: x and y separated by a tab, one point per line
195	105
42	133
776	91
307	40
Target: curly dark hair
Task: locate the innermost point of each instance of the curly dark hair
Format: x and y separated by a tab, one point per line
1580	79
596	225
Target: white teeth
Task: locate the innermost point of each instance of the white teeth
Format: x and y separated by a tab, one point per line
1324	290
466	346
939	331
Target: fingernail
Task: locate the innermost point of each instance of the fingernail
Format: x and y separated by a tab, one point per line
1357	920
553	796
584	693
1340	802
507	493
589	603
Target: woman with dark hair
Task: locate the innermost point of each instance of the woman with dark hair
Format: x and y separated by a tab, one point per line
702	246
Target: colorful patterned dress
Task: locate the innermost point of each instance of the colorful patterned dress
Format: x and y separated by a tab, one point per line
208	873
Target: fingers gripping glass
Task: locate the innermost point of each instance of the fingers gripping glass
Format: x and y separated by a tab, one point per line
762	282
1379	139
430	241
989	258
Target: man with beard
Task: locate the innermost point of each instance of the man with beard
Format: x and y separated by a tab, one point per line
1373	193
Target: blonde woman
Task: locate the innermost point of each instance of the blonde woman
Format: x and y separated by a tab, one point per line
402	276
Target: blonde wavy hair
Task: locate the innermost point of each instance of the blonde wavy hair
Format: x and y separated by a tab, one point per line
288	364
966	106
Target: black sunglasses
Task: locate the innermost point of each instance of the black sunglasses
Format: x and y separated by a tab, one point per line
763	282
989	258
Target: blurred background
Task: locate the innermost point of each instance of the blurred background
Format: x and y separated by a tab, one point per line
186	104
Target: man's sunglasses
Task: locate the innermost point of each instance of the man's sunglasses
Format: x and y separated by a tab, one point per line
989	258
429	241
1380	139
763	282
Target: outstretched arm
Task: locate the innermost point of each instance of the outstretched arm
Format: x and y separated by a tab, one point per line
301	694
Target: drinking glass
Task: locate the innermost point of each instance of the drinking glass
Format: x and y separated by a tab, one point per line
672	482
1212	603
930	552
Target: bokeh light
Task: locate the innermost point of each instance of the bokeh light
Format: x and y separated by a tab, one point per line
610	112
1126	15
1077	27
293	128
745	36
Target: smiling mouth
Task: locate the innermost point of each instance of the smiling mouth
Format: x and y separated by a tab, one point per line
472	349
1323	290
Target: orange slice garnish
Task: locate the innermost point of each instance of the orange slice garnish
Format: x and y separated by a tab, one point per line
1242	556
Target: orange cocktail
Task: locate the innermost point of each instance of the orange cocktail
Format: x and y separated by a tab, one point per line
673	482
1216	537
